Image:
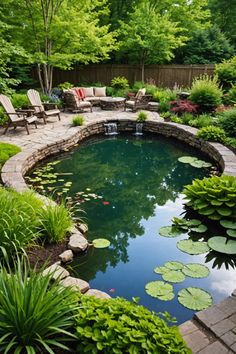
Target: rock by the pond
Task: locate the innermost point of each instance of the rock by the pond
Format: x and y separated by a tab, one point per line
97	293
76	284
66	256
77	242
56	271
82	228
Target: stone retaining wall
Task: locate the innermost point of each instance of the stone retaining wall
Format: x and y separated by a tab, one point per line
15	168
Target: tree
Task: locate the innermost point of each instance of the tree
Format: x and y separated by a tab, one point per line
59	33
209	46
223	13
148	37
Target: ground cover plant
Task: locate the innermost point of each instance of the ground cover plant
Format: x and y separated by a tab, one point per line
119	326
7	151
78	120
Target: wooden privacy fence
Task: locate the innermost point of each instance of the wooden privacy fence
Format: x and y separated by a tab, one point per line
163	75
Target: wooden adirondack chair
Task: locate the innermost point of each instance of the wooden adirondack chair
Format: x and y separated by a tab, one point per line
16	118
39	108
140	101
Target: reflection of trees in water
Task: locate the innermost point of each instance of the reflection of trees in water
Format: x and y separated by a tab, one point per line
134	177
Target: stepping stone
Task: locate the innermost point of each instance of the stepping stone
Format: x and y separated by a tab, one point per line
98	294
76	284
56	271
82	228
77	242
66	256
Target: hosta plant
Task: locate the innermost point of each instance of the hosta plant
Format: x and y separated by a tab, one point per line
213	197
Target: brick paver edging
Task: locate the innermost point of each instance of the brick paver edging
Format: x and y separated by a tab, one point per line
15	168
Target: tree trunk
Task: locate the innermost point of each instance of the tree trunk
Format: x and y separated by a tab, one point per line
142	72
45	76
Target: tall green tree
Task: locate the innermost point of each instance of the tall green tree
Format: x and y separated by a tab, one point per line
59	33
223	13
209	46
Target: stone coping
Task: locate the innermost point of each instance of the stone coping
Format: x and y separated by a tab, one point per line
16	167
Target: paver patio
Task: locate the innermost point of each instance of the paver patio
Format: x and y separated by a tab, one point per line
212	331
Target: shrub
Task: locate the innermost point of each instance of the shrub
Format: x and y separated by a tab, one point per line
109	91
212	133
142	116
120	82
176	119
119	326
204	120
186	118
20	100
78	120
7	151
226	72
65	85
229	98
3	116
35	315
55	222
231	142
213	197
19	220
206	93
227	121
183	106
164	96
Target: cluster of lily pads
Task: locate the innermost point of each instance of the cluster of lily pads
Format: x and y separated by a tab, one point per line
194	161
175	272
82	197
45	180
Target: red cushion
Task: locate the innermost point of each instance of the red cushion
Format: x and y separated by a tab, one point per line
82	95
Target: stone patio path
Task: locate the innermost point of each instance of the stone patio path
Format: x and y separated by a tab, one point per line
212	331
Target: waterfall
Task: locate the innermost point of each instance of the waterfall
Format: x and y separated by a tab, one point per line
139	129
111	129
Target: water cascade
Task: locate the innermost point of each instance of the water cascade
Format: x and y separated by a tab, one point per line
139	129
111	129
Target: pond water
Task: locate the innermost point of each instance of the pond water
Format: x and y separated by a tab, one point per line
139	181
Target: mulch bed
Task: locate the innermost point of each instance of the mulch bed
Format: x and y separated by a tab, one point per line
48	254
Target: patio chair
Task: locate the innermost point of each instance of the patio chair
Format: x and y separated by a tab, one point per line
74	104
16	117
140	101
39	108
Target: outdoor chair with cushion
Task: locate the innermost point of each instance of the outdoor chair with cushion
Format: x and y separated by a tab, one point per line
74	104
140	101
17	118
39	108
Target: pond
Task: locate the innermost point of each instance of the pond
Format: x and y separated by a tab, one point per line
129	188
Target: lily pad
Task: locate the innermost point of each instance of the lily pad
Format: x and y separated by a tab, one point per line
201	228
101	243
187	159
228	224
174	265
222	245
231	233
200	164
191	247
161	270
174	276
195	270
170	231
194	298
160	290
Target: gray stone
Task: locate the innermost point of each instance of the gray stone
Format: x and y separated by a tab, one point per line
97	293
76	284
215	348
82	228
66	256
56	271
228	305
211	316
187	327
229	338
77	242
196	341
234	293
222	327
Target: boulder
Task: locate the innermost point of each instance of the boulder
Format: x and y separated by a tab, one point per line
82	228
56	271
66	256
97	293
77	242
76	284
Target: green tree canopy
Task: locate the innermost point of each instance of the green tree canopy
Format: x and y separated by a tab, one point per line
59	33
209	46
